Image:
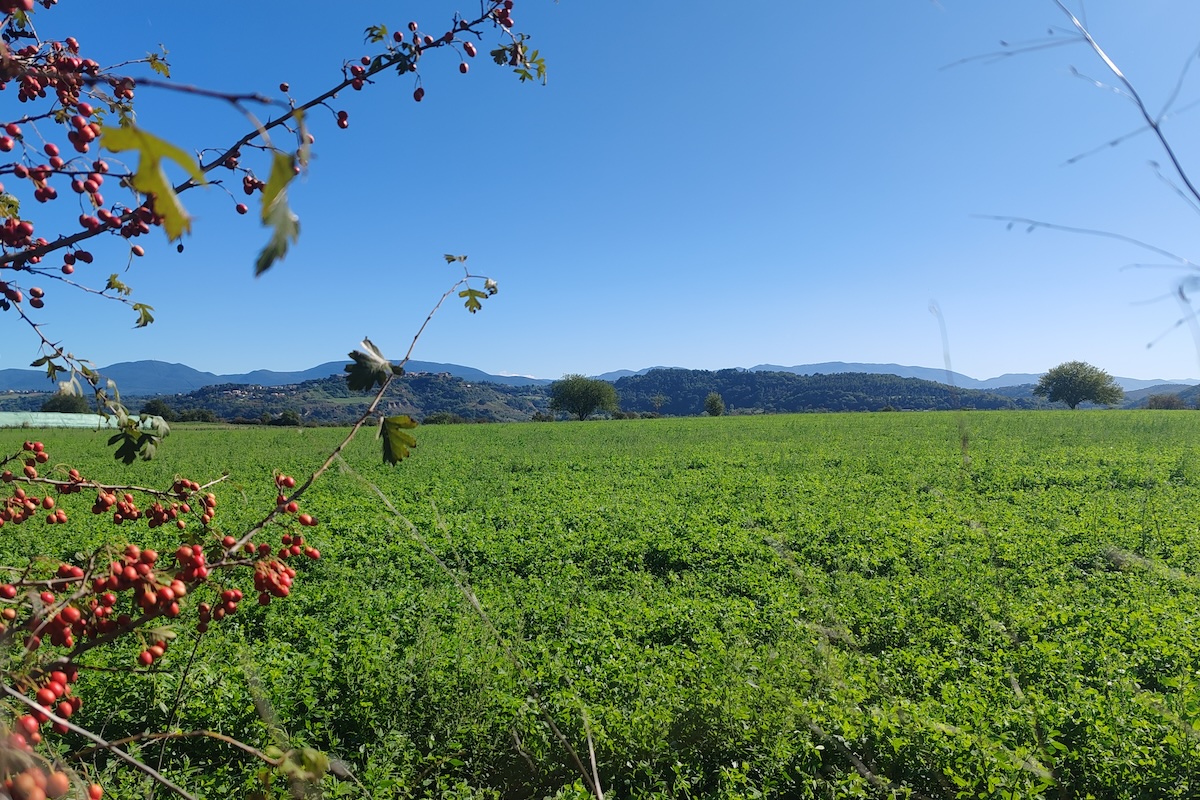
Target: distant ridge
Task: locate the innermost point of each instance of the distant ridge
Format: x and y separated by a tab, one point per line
942	376
148	378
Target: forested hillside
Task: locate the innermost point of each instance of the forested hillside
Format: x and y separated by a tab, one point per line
682	392
670	392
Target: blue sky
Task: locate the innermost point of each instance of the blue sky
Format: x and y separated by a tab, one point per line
704	185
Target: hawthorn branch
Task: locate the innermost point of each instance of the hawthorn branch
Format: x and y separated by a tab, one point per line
169	735
389	61
100	743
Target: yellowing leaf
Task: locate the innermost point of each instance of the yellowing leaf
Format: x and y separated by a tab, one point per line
149	178
397	444
276	213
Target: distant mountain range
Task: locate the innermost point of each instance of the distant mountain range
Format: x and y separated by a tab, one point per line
937	375
147	378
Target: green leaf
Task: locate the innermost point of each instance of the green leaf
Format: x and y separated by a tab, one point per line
9	205
473	297
375	34
370	368
285	225
450	259
149	178
116	285
144	315
159	64
397	444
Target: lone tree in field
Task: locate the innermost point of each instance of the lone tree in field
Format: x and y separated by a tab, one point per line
1073	382
714	404
67	403
1166	402
582	396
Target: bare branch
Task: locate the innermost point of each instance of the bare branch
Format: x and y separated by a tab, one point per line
1133	94
1033	223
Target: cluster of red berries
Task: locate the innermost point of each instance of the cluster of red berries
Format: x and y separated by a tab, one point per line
228	605
16	232
70	257
272	579
58	67
358	73
52	692
33	783
503	14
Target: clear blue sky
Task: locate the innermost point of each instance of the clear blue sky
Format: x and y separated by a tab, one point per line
703	185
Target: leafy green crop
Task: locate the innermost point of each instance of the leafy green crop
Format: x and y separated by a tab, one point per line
787	606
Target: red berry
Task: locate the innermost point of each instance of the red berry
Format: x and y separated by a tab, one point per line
419	94
462	67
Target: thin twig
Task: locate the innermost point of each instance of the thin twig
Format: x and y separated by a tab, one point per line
165	735
91	737
1132	91
1034	223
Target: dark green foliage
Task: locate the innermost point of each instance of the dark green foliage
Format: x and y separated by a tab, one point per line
157	407
67	403
1074	382
735	607
369	368
1166	402
714	406
582	396
288	419
680	392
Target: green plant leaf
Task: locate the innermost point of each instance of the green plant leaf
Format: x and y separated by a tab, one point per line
117	285
473	297
370	368
144	315
9	206
159	64
285	225
397	443
149	178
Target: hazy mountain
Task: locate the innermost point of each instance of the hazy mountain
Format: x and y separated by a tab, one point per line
626	373
940	375
840	367
144	378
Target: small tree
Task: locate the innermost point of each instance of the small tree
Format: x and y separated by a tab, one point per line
714	404
582	396
1073	382
67	403
1167	402
158	407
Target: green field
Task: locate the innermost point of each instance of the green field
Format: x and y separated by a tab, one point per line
960	605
